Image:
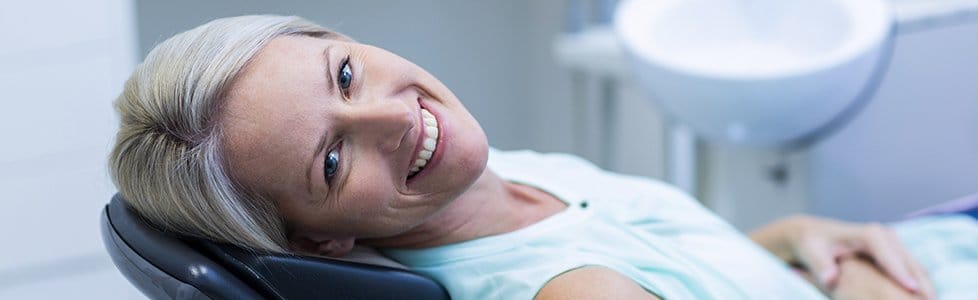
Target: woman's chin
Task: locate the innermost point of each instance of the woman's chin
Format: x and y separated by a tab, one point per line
463	163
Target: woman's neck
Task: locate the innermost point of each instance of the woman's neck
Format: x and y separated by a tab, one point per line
489	207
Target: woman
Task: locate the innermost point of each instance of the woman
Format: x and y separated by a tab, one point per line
276	134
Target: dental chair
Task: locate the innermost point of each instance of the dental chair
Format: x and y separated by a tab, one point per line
166	266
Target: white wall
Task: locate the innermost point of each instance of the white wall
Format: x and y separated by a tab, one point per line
61	64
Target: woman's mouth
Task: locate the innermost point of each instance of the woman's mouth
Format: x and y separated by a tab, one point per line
429	142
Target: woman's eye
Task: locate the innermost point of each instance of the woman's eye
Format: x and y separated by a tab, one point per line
331	165
345	77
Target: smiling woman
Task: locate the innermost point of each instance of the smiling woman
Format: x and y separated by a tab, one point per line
337	132
259	130
275	134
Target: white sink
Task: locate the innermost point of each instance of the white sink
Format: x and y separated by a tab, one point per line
759	72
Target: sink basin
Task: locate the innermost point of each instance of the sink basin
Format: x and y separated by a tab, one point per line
758	72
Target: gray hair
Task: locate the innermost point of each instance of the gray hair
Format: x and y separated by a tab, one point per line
167	160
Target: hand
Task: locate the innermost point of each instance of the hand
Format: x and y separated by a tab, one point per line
820	245
859	279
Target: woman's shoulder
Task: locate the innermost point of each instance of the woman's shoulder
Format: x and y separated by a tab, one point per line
593	282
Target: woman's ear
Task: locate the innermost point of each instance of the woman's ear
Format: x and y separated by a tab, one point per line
331	247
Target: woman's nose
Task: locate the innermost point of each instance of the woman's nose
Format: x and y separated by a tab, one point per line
383	122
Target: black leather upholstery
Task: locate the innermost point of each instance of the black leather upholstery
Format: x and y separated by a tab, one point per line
163	265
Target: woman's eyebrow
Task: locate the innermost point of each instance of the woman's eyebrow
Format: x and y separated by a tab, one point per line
312	161
328	69
322	137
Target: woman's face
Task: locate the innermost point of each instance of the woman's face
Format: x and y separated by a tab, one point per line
332	131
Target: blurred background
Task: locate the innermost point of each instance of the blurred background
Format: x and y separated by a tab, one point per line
519	68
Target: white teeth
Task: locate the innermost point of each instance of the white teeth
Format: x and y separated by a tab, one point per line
428	118
420	162
431	131
430	142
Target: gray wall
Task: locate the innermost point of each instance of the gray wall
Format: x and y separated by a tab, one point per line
62	62
916	142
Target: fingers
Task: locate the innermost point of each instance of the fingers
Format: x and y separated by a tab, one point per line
889	255
821	247
820	259
926	287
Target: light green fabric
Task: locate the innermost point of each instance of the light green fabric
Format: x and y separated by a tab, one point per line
647	230
947	246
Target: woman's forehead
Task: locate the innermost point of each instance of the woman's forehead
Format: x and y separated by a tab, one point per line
268	120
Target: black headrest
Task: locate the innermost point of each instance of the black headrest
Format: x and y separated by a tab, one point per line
164	265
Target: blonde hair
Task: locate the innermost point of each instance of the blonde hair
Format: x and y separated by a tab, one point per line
167	161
